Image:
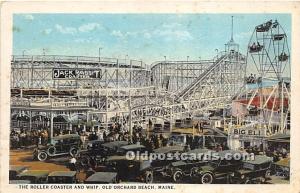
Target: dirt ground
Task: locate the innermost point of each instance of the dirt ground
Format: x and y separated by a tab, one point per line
25	158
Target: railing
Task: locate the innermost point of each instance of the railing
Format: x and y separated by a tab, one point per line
208	70
78	59
69	104
27	103
153	65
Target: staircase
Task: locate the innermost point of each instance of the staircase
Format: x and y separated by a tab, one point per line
201	77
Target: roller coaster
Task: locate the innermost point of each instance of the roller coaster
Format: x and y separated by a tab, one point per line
50	89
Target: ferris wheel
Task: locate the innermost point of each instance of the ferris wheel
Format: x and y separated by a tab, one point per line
268	50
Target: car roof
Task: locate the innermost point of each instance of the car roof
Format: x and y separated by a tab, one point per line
35	173
114	144
95	141
63	173
59	137
123	157
222	154
102	177
17	168
167	149
19	181
178	163
283	162
132	146
200	150
259	159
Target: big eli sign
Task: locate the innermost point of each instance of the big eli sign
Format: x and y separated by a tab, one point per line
249	132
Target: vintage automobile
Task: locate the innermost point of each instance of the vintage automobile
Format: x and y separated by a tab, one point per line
138	168
280	172
187	167
34	176
97	152
177	139
219	168
15	170
131	148
69	144
159	165
19	181
102	178
111	148
62	177
94	145
255	171
282	168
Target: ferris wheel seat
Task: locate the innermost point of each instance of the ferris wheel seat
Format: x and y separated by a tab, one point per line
283	58
278	37
253	49
262	29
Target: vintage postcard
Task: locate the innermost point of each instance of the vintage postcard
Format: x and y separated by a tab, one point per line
153	96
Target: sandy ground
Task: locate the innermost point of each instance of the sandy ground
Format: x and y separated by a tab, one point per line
24	158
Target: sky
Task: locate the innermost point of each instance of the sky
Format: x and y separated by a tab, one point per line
149	37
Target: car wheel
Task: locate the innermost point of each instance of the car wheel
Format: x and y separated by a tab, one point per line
207	178
73	151
148	177
85	161
248	181
42	156
51	151
268	174
177	176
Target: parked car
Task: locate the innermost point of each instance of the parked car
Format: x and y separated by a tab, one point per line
15	170
97	152
111	148
255	171
62	177
280	172
131	148
19	181
220	168
34	176
130	170
177	139
186	168
61	145
94	146
159	165
102	178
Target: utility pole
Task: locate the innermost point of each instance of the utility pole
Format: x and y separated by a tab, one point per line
100	53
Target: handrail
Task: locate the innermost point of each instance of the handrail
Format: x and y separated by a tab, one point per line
201	76
50	103
153	65
78	59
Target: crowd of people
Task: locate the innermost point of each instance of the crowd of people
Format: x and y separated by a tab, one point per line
25	138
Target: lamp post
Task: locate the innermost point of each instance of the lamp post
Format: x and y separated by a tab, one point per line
44	51
217	53
187	58
126	58
23	52
100	53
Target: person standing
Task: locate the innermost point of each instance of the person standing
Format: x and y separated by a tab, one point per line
72	163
